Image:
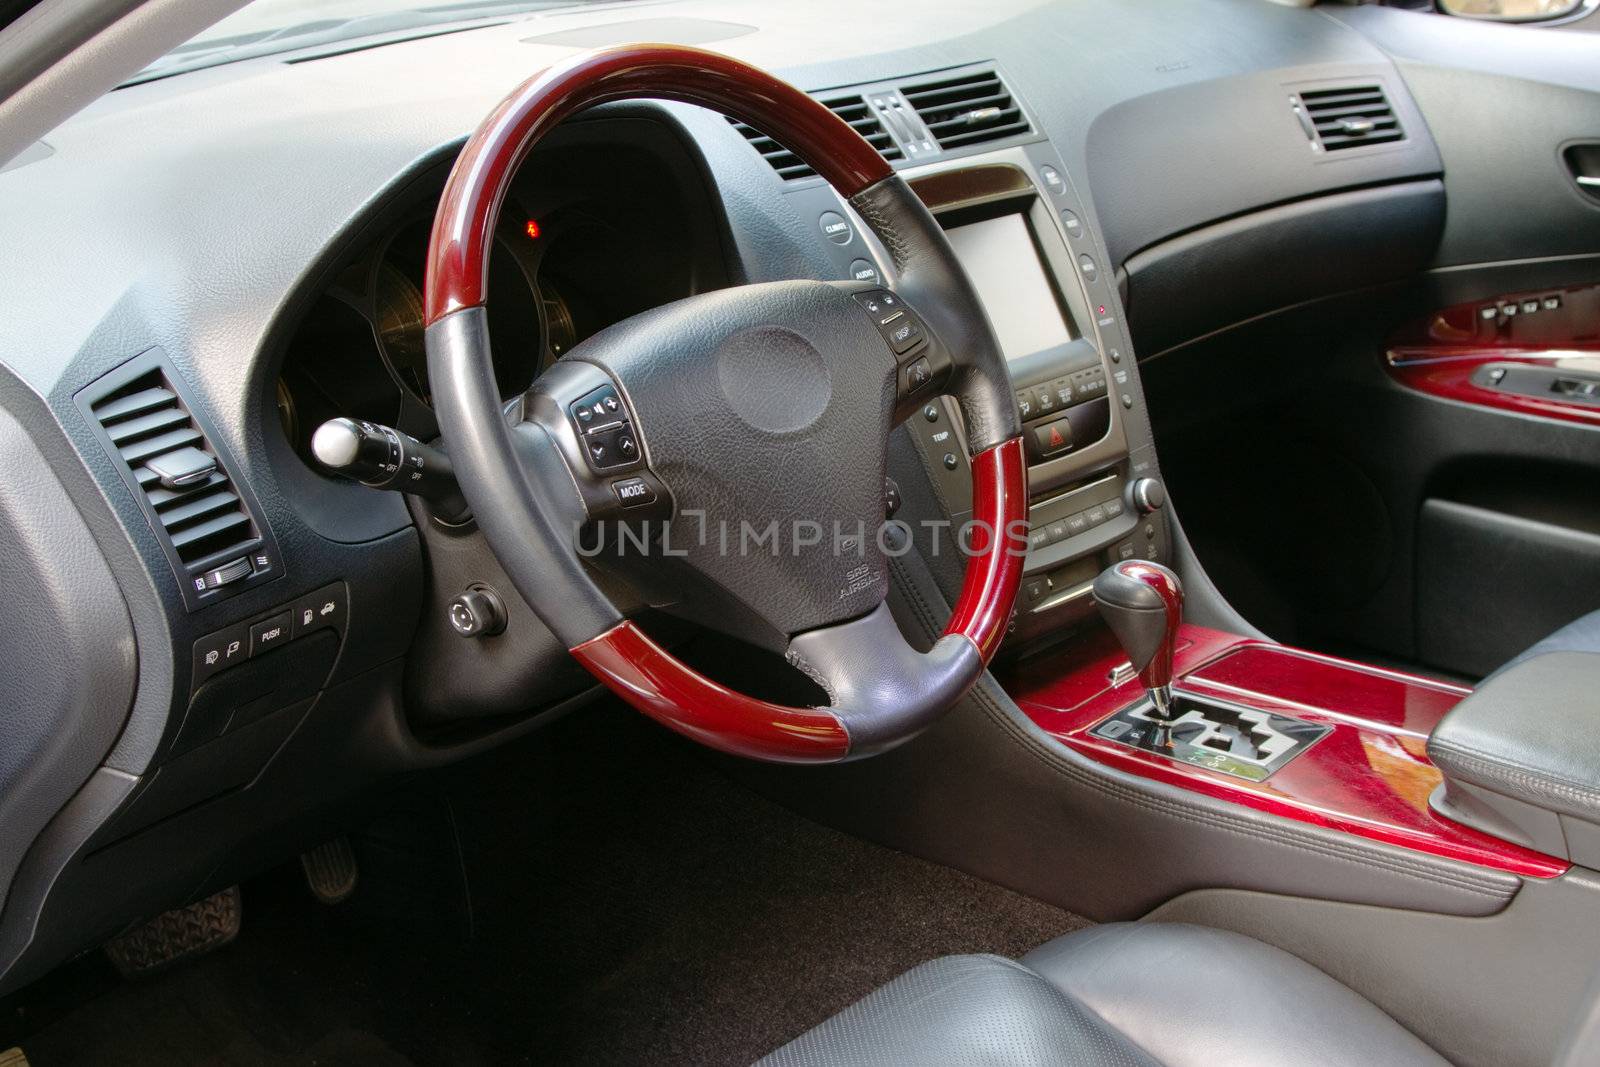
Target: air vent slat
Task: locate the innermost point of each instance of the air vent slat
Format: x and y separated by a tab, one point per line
191	543
139	451
138	403
958	91
854	111
144	425
146	418
968	109
1331	114
1347	117
175	517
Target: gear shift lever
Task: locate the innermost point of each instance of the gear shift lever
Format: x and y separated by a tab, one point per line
1142	602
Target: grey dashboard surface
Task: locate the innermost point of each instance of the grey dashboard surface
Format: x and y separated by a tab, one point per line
1499	100
187	213
179	212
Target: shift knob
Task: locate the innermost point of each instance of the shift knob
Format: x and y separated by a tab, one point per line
1142	602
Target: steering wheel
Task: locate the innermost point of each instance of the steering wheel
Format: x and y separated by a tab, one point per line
750	426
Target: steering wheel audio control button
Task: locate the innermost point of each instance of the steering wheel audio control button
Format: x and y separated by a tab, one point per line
611	447
633	492
597	408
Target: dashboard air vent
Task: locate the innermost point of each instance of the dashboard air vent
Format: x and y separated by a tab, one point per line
967	109
1349	117
853	109
147	423
204	520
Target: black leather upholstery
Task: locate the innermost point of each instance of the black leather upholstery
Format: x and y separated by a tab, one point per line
1125	993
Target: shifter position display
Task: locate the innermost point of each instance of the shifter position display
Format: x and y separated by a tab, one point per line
1142	602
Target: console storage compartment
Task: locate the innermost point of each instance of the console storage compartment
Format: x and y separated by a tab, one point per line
1521	756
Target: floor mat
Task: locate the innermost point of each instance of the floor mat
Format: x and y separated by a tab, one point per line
602	894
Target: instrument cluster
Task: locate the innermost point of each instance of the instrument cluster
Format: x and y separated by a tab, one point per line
589	235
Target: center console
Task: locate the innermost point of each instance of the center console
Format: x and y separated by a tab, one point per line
1093	497
1014	219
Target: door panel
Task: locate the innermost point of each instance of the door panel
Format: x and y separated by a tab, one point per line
1338	500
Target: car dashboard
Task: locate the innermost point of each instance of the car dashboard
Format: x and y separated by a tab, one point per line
258	233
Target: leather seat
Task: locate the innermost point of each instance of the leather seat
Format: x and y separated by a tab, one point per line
1580	635
1120	995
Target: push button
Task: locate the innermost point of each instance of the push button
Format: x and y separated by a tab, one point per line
1062	388
1045	397
324	609
903	333
862	270
880	303
612	446
219	651
267	635
1052	437
596	408
915	376
835	227
633	492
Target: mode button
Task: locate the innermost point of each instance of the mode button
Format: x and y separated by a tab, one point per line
633	492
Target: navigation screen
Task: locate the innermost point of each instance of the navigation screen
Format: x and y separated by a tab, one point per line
1005	269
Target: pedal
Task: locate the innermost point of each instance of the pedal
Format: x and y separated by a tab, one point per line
13	1057
331	870
179	934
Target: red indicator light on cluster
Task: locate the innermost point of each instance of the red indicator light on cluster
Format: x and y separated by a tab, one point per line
532	229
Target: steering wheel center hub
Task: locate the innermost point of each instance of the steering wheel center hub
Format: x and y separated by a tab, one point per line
774	379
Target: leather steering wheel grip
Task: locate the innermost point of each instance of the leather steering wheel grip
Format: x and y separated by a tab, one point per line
883	691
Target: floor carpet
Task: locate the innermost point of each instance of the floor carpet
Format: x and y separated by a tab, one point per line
601	894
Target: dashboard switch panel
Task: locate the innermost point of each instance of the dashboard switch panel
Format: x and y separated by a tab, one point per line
327	608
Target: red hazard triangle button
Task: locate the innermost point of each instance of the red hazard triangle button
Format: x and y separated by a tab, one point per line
1052	437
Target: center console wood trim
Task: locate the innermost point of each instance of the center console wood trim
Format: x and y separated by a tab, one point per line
1370	776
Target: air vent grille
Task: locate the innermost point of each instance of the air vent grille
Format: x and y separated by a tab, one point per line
145	420
967	109
853	109
1349	117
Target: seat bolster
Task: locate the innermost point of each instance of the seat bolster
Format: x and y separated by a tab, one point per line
1192	996
968	1010
1580	635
